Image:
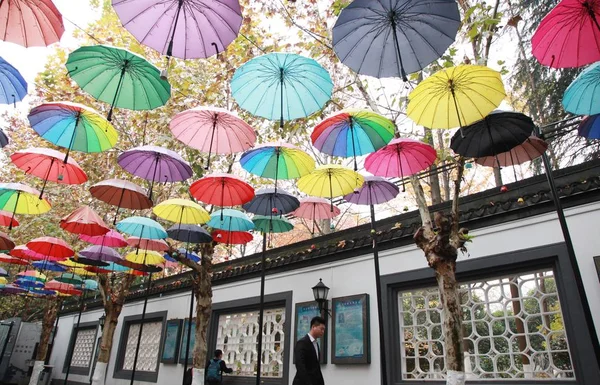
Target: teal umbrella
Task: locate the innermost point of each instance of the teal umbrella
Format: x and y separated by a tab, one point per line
118	77
71	278
582	97
142	228
282	86
274	224
230	220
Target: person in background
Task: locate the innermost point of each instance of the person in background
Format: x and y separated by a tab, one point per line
306	354
215	368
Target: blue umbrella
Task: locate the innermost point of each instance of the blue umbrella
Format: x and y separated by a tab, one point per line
27	283
230	220
590	127
42	292
582	97
49	266
282	86
3	139
269	201
142	228
13	87
189	255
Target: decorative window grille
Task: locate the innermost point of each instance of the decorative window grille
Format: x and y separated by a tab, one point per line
237	337
513	328
148	355
84	348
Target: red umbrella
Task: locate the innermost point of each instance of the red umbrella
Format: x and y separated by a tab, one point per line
12	260
222	190
7	219
110	239
49	165
148	244
121	193
24	253
5	242
51	247
234	237
30	23
64	288
84	221
569	36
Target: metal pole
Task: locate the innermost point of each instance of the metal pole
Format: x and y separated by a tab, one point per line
10	326
189	332
76	331
55	330
137	348
261	309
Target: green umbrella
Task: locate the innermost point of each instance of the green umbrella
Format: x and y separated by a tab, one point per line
277	225
119	77
71	278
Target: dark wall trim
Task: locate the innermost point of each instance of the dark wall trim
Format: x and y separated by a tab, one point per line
246	304
74	332
553	256
119	372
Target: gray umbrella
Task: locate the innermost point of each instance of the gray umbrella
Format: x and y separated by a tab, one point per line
189	234
267	199
3	139
392	38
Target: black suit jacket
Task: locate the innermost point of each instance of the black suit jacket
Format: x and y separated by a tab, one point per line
308	368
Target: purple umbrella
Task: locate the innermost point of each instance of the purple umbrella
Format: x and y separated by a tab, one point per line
98	256
11	289
155	164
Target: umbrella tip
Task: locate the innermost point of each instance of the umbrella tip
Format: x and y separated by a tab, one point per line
164	74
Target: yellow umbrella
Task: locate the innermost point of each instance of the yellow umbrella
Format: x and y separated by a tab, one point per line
82	271
330	181
145	257
3	281
456	97
72	264
182	211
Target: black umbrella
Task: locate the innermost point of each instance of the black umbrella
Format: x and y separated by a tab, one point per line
393	38
267	199
3	139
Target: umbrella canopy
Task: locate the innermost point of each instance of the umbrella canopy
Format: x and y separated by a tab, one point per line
272	224
145	257
121	193
189	255
582	97
119	77
529	150
352	132
70	263
98	256
3	273
6	244
498	132
90	285
316	208
282	86
3	139
73	126
375	190
140	267
30	23
184	29
212	130
232	237
142	228
230	220
12	260
330	181
394	38
29	284
148	244
456	97
189	234
3	282
84	220
48	266
22	199
21	251
110	239
32	275
13	87
51	247
590	127
181	211
71	278
7	219
12	289
568	36
62	288
222	190
155	164
269	201
111	268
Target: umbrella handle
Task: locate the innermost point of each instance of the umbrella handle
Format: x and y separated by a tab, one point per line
170	48
212	138
397	49
353	143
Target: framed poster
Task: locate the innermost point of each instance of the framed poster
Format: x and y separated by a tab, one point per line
184	341
171	344
351	330
306	311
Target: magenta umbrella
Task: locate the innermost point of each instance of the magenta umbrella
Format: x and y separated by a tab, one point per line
212	130
316	208
155	164
110	239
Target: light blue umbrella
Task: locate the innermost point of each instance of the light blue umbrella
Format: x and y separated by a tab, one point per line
13	87
142	228
90	285
282	86
582	97
114	267
230	220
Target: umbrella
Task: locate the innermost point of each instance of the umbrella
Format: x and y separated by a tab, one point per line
139	266
145	257
48	266
22	199
269	201
529	150
456	97
31	275
232	237
119	77
402	157
6	243
189	233
21	251
12	260
590	127
184	29
29	284
230	220
148	244
110	239
63	288
84	220
47	164
72	264
352	132
282	86
7	219
396	37
90	285
3	273
71	278
568	36
330	181
498	132
189	255
111	268
3	139
212	130
74	127
142	228
374	191
155	164
13	88
272	224
316	208
181	211
222	190
121	193
98	256
30	23
51	247
582	97
12	289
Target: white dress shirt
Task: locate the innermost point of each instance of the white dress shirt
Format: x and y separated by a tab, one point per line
315	344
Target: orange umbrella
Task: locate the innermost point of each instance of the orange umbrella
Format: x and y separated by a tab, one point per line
84	221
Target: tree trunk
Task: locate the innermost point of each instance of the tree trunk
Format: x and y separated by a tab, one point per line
48	321
203	312
434	178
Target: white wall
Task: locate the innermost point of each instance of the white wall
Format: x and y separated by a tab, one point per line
356	276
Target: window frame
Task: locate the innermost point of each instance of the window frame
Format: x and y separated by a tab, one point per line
554	257
74	331
283	299
119	372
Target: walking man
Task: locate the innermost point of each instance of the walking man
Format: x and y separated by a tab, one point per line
215	368
306	354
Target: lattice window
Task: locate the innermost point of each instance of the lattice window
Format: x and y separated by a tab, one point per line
513	328
237	336
84	348
148	355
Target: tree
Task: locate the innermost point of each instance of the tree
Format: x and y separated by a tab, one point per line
50	313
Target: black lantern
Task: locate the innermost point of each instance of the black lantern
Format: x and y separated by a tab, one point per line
101	321
320	292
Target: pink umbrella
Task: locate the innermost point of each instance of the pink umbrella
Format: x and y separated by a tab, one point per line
402	157
110	239
213	130
316	208
148	244
30	23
